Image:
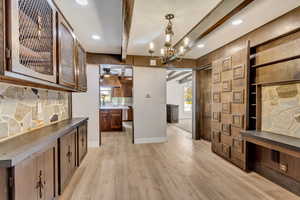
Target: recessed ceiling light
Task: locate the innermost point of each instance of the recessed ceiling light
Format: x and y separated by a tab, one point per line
82	2
96	37
201	45
237	22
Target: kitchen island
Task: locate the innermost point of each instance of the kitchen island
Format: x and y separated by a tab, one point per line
111	118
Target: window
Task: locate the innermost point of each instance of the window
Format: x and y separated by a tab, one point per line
187	97
105	95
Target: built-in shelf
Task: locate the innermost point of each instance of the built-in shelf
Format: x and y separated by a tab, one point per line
276	61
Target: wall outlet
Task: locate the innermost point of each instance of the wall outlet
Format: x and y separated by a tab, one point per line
283	167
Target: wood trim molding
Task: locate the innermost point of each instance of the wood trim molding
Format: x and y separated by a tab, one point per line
143	61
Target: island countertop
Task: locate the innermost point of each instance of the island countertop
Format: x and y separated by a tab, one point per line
19	148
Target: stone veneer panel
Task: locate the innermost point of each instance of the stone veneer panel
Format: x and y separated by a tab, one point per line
281	109
23	109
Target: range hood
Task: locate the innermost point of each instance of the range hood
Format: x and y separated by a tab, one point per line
109	80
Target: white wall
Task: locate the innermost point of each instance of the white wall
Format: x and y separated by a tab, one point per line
150	124
175	94
87	105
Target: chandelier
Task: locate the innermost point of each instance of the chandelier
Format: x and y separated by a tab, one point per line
168	52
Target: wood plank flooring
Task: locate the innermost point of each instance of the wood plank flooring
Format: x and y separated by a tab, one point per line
181	169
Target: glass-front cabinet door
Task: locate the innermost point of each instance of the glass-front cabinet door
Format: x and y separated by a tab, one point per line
66	54
33	38
81	68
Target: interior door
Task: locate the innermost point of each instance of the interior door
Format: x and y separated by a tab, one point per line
204	78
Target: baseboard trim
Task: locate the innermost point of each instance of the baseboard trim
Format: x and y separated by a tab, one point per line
93	143
150	140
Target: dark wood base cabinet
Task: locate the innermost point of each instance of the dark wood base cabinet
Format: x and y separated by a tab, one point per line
43	175
111	120
34	178
72	150
81	143
67	158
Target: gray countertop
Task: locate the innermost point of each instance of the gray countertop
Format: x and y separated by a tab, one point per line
17	149
114	107
273	138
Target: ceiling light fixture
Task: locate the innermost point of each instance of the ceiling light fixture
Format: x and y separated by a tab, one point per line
82	2
201	46
168	52
96	37
237	22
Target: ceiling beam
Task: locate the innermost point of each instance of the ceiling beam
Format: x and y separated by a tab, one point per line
185	78
171	73
177	75
185	81
214	19
127	10
134	60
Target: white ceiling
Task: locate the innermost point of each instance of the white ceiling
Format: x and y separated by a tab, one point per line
101	17
148	23
254	15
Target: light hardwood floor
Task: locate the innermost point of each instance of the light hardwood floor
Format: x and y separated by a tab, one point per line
181	169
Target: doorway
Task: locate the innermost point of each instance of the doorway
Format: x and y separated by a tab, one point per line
180	99
115	94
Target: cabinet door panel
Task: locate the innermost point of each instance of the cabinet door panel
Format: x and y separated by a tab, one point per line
26	180
82	142
33	38
3	184
116	121
66	54
67	158
81	68
49	173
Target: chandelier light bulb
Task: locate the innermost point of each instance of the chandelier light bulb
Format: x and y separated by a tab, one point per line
162	51
168	38
181	50
186	41
151	46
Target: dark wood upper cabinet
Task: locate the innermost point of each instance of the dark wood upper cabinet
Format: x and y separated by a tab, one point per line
32	38
66	54
81	68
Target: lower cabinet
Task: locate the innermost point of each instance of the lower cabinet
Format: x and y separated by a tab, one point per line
82	142
34	178
111	120
44	175
67	158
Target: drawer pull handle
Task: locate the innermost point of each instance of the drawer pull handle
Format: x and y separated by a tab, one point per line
82	141
40	184
69	154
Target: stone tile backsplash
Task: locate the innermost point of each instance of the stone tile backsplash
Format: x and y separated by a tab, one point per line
23	109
